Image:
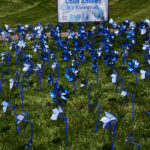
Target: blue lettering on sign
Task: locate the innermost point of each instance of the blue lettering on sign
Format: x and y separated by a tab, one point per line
74	18
90	1
72	1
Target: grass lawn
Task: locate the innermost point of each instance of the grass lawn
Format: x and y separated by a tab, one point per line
49	135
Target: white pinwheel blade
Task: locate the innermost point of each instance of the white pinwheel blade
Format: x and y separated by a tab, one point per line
5	104
104	119
20	118
63	97
82	85
54	117
114	77
53	66
4	109
55	111
11	83
26	67
143	31
104	125
110	116
39	65
123	93
143	74
60	109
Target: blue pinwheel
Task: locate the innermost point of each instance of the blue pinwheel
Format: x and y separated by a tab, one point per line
59	95
134	68
72	74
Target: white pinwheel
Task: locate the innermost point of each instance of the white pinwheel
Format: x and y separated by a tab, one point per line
5	104
22	44
143	74
108	118
124	93
56	113
12	81
20	118
26	67
114	77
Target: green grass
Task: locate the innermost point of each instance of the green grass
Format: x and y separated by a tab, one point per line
48	135
13	12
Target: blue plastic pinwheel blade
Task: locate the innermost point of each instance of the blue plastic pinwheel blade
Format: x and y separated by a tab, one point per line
67	76
66	91
130	69
53	94
130	63
67	70
70	79
54	100
136	66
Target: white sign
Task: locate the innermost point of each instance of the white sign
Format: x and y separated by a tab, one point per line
82	10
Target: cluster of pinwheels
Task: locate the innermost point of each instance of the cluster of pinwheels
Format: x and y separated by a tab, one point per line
79	47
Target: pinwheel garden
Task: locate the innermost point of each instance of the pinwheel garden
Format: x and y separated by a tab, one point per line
58	92
74	86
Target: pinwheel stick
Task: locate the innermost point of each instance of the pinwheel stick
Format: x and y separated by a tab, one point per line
38	54
148	74
21	89
8	64
4	41
139	146
98	118
58	71
65	119
124	62
22	56
3	72
136	78
16	118
28	77
31	128
16	55
21	92
85	67
132	104
23	80
74	88
113	136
